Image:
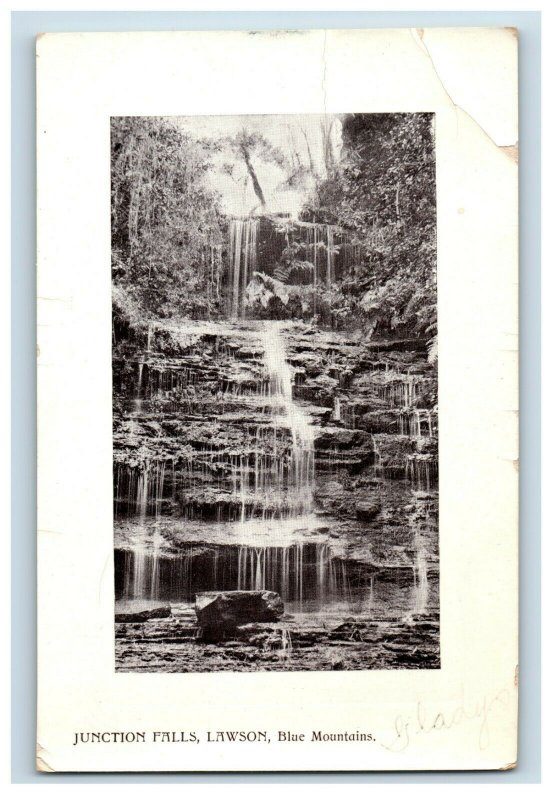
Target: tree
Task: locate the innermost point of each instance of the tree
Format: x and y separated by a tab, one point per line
164	221
250	146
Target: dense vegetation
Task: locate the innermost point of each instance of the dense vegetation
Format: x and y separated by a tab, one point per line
164	221
383	192
169	234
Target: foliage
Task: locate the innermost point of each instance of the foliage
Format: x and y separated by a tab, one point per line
164	221
294	266
383	193
168	233
250	146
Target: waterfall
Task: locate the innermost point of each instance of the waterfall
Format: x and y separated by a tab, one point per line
280	388
269	474
243	257
145	572
139	382
330	270
378	468
401	393
421	470
139	578
315	256
421	586
151	331
300	572
242	261
417	423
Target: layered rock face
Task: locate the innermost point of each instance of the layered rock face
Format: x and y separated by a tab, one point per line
261	456
210	434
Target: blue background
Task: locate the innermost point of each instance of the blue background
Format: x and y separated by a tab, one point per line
25	26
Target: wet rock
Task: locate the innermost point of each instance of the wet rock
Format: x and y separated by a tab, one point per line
250	352
320	389
366	510
427	445
144	615
221	612
380	422
398	345
312	363
341	438
318	413
330	489
331	496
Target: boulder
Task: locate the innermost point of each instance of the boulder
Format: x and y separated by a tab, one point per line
160	612
341	438
366	510
219	612
320	390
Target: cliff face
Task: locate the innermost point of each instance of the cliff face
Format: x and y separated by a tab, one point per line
277	456
199	431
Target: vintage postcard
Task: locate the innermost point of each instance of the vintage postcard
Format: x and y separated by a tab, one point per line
277	366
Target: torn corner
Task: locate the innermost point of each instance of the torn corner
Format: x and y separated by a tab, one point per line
43	766
41	763
512	765
512	151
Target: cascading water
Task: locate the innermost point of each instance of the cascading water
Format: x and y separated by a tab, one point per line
421	586
320	250
144	580
265	475
330	270
400	392
280	389
301	572
416	423
243	262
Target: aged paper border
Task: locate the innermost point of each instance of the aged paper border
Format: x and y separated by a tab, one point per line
477	231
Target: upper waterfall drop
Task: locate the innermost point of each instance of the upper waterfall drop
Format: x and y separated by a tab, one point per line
321	251
243	261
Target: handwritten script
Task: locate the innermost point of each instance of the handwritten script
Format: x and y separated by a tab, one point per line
424	721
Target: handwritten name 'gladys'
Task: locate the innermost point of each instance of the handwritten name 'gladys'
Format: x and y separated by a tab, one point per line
425	721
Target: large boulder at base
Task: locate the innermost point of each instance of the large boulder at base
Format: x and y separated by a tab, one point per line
225	611
159	612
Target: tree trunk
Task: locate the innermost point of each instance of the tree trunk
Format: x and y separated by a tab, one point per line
253	175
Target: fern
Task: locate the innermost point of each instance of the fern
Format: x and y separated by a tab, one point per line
284	271
281	272
263	288
432	350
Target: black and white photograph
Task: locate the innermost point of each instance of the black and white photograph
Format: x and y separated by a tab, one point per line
275	426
